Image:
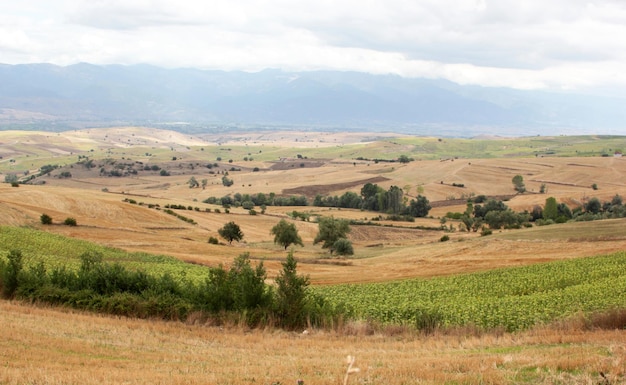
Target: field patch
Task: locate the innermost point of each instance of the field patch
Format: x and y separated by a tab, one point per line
310	191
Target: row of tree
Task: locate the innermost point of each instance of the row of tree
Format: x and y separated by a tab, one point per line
112	288
259	199
371	198
496	214
375	198
332	234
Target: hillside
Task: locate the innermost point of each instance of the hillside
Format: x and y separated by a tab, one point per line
329	164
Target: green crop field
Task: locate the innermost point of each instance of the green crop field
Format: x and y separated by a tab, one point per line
513	298
55	251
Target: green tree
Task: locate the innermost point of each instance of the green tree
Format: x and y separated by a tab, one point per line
330	230
518	183
9	273
404	159
343	247
193	182
291	294
550	210
248	284
45	219
394	200
10	178
593	206
420	207
231	232
286	234
204	183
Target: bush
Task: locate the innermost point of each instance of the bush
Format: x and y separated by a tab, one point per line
343	247
69	221
213	241
444	238
486	231
46	219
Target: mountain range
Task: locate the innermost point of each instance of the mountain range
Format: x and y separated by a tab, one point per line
54	98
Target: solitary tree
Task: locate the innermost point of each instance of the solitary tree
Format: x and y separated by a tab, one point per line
46	219
330	230
231	232
285	234
10	178
193	182
518	183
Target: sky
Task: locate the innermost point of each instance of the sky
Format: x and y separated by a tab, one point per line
559	45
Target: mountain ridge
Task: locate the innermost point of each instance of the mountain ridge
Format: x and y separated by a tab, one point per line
54	98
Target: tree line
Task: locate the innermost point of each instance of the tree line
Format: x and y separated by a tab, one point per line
235	293
375	198
483	211
371	198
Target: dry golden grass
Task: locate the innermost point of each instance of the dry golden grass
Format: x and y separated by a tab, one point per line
49	346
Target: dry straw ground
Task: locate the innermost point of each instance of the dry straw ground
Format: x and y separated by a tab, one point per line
48	346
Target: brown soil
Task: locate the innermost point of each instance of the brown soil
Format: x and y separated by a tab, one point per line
312	191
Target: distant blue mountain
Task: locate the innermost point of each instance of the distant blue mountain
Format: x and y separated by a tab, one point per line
84	95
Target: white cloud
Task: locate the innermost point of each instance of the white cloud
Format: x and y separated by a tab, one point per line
531	44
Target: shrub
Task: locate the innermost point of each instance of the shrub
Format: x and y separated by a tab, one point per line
46	219
213	241
343	247
486	231
69	221
444	238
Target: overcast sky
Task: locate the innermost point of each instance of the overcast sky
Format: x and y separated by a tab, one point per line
528	44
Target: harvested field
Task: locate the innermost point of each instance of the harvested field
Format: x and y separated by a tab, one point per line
311	191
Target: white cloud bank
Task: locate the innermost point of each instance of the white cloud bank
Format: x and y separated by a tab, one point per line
530	44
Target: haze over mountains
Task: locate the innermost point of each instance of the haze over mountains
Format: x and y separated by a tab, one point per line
49	97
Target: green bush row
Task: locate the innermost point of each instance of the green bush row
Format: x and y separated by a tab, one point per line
114	289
